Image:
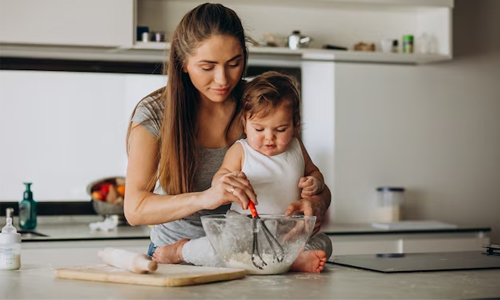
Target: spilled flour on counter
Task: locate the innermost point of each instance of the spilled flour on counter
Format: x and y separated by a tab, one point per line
244	261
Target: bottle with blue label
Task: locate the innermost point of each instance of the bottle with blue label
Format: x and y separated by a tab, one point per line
27	209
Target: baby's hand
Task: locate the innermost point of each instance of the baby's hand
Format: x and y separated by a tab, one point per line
310	186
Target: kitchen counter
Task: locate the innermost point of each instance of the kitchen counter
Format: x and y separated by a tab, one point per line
71	228
366	229
35	280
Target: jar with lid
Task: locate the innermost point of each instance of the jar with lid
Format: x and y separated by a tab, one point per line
389	202
10	245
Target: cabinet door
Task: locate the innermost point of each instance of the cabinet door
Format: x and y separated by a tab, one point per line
63	22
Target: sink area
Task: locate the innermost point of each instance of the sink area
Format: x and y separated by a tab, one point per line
76	228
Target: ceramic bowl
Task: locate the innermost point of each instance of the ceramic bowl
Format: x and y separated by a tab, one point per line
232	238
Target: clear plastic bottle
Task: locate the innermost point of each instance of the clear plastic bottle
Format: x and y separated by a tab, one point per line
10	247
27	209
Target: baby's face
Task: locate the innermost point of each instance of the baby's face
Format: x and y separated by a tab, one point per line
272	134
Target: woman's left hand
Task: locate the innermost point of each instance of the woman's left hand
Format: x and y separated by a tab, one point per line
312	206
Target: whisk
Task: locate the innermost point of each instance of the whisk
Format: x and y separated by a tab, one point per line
277	249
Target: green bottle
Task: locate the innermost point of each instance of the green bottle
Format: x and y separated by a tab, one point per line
27	209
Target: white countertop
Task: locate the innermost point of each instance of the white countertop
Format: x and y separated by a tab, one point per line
35	280
58	228
68	228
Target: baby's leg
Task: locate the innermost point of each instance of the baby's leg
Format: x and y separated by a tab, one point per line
200	252
197	252
313	259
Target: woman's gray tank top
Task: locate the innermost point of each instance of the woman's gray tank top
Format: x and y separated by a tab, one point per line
149	114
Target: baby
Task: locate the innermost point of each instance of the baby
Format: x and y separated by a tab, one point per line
273	159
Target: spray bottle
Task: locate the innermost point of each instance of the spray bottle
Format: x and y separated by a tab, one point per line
10	245
27	209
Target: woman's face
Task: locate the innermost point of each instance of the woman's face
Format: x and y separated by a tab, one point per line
215	67
272	134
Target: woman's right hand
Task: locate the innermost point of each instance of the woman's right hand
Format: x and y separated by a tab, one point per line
231	187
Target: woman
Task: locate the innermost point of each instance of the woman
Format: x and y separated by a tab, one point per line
179	135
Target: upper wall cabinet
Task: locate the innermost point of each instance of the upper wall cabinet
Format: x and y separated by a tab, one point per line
102	23
341	23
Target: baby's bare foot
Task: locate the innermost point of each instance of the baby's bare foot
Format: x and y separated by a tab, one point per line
170	254
310	261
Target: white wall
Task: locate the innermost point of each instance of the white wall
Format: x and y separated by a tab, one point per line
433	129
62	130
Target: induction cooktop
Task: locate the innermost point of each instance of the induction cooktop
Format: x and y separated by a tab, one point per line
419	262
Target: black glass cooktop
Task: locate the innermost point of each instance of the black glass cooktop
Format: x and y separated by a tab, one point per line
418	262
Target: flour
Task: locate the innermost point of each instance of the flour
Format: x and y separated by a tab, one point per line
244	261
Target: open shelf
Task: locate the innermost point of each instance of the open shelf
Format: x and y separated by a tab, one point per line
281	53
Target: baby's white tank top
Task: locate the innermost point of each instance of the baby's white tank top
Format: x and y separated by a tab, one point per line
275	178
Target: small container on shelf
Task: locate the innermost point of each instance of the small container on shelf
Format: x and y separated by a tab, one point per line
408	43
395	46
386	45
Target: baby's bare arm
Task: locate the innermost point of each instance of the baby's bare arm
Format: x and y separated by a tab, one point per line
233	161
230	176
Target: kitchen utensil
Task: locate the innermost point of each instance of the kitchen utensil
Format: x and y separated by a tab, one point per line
165	275
333	47
296	40
275	246
232	236
128	260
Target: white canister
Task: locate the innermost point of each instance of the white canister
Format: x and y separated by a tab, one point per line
386	45
389	202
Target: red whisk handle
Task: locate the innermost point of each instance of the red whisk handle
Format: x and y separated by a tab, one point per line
253	211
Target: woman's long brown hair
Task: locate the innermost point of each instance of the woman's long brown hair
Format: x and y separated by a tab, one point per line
178	156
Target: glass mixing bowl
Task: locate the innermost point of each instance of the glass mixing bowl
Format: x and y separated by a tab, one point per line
232	237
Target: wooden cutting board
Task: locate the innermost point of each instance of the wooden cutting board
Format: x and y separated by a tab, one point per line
165	275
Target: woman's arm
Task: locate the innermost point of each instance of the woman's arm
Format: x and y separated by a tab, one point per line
143	207
313	182
314	205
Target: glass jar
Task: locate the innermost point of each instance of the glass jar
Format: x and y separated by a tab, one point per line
389	201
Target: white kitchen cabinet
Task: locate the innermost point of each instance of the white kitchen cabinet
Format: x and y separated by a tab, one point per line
103	23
